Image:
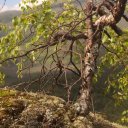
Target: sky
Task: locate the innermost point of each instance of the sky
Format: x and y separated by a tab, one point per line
9	5
12	4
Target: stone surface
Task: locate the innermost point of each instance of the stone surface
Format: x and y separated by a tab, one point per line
35	110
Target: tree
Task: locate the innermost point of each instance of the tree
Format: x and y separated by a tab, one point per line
43	35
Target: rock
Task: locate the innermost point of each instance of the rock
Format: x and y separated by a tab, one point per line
82	122
36	110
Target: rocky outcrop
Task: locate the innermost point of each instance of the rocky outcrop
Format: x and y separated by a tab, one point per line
36	110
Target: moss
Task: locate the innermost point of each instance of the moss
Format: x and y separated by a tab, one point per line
100	122
32	110
7	92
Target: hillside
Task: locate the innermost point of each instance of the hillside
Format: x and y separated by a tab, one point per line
6	17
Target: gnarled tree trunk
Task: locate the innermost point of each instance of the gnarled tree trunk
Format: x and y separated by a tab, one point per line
92	44
89	64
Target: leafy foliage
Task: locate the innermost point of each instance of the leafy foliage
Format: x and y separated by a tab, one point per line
115	60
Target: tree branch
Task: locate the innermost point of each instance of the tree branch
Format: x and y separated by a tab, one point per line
114	17
56	37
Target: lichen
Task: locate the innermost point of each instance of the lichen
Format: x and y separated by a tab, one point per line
36	110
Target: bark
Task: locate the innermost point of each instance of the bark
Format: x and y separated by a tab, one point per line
115	16
92	44
91	53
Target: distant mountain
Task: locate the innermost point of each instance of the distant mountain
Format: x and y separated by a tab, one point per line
7	16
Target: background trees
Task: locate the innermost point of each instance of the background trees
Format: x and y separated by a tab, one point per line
68	41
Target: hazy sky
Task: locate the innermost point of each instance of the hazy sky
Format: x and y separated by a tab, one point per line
11	2
9	5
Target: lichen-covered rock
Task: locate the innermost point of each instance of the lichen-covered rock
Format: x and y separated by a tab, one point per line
36	110
82	122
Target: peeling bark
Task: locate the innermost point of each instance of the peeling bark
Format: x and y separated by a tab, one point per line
94	34
115	16
91	53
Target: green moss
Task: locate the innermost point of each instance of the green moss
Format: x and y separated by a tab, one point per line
22	109
7	92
